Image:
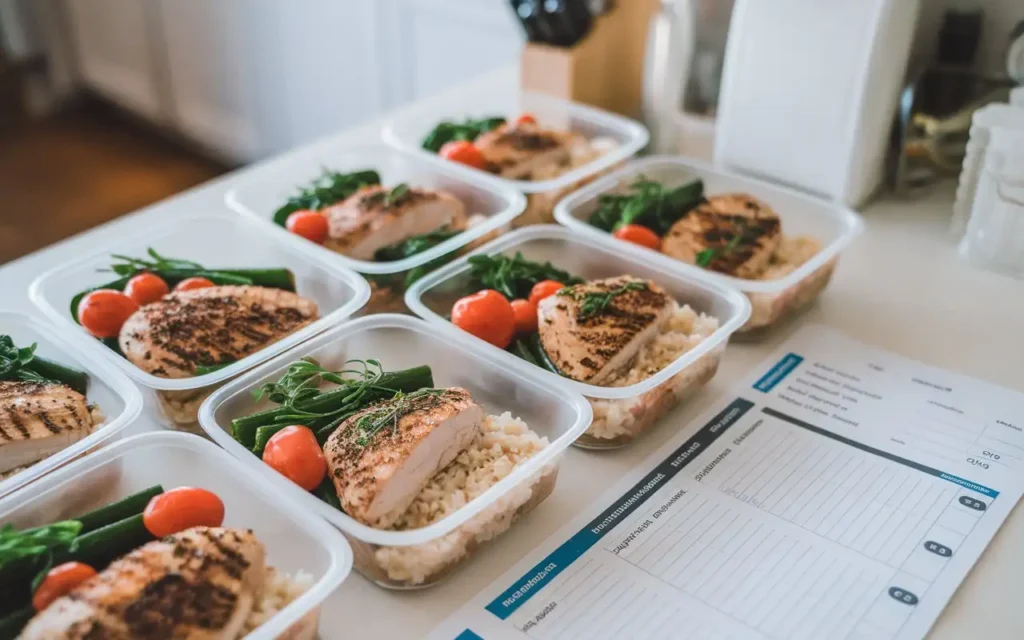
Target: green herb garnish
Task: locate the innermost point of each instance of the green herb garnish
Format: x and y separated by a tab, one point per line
514	276
59	536
593	303
706	256
14	362
329	188
649	204
130	266
389	413
469	130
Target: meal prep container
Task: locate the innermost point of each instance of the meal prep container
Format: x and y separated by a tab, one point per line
117	398
213	241
295	541
419	557
620	413
408	130
831	224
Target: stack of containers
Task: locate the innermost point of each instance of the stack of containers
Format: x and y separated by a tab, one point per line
832	225
611	140
414	558
214	241
118	400
270	187
620	413
297	544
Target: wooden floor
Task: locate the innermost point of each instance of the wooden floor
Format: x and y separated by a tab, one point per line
83	167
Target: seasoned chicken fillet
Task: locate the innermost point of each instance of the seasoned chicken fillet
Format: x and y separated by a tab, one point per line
740	232
369	220
382	457
210	326
595	329
199	584
518	150
38	420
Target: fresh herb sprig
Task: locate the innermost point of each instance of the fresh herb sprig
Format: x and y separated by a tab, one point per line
514	276
59	536
387	198
129	266
329	188
706	256
14	362
469	130
648	203
389	413
594	303
303	379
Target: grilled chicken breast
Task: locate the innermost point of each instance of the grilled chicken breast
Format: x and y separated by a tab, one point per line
368	220
210	326
38	420
382	457
740	232
199	584
517	150
596	329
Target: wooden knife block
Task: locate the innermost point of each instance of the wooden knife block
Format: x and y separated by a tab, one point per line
605	69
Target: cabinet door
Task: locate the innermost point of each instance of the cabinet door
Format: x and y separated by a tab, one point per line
113	41
435	44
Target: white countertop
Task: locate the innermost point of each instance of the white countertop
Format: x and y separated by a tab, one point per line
900	286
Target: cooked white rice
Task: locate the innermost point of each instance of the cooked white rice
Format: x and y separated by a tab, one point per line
685	330
790	255
279	590
793	252
503	444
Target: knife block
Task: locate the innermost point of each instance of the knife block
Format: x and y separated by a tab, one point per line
604	70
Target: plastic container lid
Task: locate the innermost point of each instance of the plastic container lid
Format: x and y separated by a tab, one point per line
215	241
294	540
270	186
834	225
118	399
400	342
408	130
589	260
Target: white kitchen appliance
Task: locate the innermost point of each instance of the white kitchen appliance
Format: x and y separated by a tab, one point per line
809	91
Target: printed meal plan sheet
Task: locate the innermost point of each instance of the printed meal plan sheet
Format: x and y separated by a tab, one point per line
841	492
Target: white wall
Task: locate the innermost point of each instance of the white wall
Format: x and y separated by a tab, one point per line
1000	17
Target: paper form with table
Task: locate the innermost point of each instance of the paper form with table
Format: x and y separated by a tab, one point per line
841	492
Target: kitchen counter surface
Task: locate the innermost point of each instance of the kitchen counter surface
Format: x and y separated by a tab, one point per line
900	286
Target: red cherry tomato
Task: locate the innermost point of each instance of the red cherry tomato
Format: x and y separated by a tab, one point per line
182	508
638	234
487	315
60	581
464	152
294	453
311	225
102	312
526	118
526	316
146	288
190	284
544	289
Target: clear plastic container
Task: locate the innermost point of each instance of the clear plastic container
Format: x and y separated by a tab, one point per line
408	130
213	241
296	542
117	398
620	413
420	557
833	225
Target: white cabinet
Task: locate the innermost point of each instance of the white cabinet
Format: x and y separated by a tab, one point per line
113	40
435	44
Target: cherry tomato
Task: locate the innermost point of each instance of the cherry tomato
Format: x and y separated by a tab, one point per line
294	453
60	581
146	288
464	152
526	118
190	284
311	225
487	315
182	508
102	312
638	234
526	316
544	289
